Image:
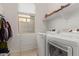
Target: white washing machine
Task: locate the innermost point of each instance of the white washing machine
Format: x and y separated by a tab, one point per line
61	45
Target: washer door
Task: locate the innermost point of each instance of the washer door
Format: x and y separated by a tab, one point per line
59	49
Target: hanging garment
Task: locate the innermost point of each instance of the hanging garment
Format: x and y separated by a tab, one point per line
5	34
3	31
0	23
3	47
1	36
9	30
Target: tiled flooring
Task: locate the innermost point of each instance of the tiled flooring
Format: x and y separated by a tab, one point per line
29	53
32	52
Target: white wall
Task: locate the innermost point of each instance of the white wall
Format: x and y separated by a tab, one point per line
66	19
54	6
40	26
41	9
1	9
26	8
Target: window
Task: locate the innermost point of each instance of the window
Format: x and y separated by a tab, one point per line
26	23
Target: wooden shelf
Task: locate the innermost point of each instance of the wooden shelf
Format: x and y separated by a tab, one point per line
65	13
61	8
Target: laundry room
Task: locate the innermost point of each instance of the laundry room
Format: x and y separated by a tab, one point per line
39	29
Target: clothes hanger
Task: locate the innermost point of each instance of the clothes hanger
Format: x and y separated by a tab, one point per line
1	16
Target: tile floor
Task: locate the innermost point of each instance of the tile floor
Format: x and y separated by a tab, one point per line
32	52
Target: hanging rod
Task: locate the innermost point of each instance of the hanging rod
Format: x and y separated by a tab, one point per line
62	7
